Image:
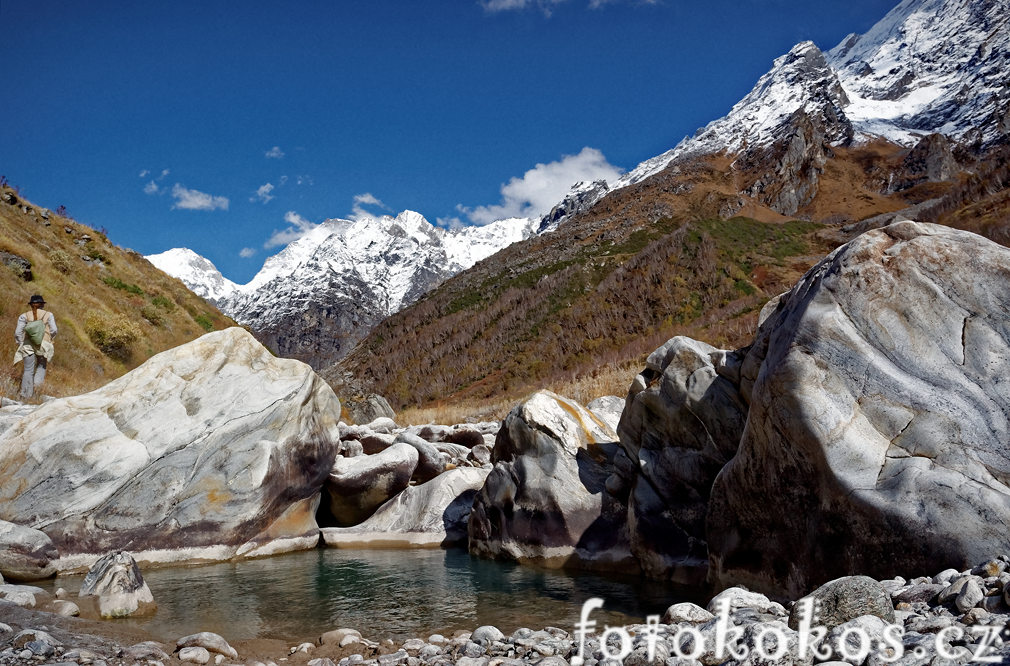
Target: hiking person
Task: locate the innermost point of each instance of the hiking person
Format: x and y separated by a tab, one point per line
34	334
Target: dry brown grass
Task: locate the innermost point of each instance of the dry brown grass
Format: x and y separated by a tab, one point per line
83	276
583	389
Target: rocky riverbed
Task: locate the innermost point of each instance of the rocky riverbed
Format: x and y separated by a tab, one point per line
953	617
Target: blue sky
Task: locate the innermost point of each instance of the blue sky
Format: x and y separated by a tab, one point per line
224	125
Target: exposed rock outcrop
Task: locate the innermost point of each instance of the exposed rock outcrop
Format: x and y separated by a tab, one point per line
367	408
212	450
878	435
545	501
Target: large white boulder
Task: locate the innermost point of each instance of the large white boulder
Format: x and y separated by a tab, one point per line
434	513
545	500
208	451
878	438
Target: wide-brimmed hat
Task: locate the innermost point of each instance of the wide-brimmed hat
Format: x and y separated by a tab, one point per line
36	299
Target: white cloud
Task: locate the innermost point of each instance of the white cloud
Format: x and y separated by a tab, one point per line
299	227
164	172
362	200
195	200
247	252
263	193
304	180
144	174
543	186
494	6
151	188
275	153
450	223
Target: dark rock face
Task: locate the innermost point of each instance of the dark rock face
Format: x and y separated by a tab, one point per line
19	265
879	424
793	165
681	423
318	330
580	199
933	159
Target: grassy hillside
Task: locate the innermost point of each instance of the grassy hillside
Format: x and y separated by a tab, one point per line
683	252
113	308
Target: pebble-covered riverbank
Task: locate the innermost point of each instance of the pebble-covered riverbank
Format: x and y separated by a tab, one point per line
954	617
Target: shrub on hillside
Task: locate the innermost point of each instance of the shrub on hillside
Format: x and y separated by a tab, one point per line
61	261
152	314
113	334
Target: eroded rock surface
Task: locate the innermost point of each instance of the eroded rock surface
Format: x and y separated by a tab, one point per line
116	584
434	513
357	486
682	422
196	453
878	437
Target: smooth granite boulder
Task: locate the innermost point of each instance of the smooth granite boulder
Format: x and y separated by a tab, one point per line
26	554
878	438
545	500
430	514
212	450
358	486
116	586
682	422
430	462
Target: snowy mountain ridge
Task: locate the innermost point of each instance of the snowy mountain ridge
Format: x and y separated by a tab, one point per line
343	274
927	66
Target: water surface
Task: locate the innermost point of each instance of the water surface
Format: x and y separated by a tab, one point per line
382	593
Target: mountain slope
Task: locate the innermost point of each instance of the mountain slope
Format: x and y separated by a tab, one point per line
113	309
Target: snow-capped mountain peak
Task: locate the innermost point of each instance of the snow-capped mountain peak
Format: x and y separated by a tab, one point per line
196	272
324	290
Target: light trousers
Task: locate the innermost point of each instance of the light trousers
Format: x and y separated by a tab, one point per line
34	374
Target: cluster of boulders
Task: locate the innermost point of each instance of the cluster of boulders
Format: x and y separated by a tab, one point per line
37	646
405	486
866	429
217	450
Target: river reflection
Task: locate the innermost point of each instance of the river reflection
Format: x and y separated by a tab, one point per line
383	593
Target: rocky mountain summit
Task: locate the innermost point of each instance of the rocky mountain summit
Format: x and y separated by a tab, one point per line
929	66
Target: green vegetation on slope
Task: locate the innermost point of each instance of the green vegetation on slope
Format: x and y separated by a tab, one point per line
571	303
